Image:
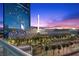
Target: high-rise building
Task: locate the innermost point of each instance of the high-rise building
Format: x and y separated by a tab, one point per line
17	15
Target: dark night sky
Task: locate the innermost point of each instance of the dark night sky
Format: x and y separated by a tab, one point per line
55	14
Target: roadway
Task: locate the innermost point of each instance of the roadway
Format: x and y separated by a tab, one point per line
73	54
76	54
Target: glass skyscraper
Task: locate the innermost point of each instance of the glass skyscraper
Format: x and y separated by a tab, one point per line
17	15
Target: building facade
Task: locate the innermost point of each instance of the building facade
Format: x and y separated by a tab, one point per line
17	15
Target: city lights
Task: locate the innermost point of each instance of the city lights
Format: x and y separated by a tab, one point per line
39	29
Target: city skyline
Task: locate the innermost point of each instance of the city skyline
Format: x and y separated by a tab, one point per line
55	14
51	15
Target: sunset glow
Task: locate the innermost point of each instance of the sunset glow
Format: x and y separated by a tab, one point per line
62	16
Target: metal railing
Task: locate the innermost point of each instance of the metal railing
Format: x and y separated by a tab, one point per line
10	50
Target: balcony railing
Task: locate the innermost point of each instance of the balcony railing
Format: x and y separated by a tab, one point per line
10	50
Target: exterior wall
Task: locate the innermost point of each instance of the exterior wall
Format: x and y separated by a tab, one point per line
17	14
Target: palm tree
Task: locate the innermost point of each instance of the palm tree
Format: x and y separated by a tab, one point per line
59	48
53	47
63	45
46	49
67	47
70	47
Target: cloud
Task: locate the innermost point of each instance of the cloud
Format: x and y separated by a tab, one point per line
74	23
